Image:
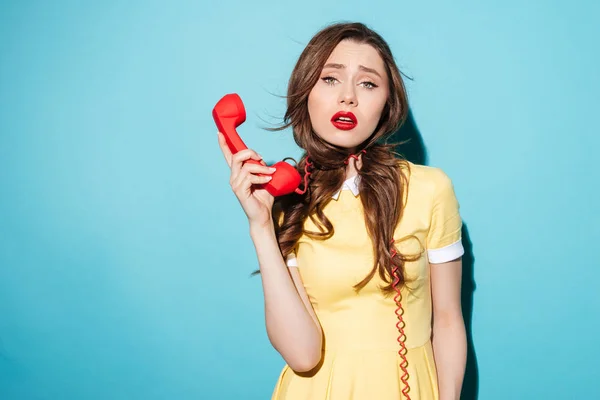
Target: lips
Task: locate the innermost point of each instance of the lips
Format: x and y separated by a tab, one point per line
344	120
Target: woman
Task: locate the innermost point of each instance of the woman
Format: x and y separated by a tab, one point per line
368	306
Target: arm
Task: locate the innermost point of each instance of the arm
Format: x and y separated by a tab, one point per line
449	335
292	325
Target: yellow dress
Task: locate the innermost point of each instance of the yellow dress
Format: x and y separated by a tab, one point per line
360	359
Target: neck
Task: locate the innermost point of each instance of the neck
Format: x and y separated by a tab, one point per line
353	166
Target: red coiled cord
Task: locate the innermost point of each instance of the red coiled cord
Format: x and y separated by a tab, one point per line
310	164
353	156
400	325
396	281
306	176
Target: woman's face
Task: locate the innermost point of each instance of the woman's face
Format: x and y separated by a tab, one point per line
346	103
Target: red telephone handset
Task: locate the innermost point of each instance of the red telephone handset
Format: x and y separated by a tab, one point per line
229	113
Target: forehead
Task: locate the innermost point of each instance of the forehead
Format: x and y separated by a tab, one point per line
350	53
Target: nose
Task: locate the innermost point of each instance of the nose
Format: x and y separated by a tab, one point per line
348	95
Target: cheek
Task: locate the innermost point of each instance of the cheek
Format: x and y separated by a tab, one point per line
313	111
312	102
316	106
376	109
316	97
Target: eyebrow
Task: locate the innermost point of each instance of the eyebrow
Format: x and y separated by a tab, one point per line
361	67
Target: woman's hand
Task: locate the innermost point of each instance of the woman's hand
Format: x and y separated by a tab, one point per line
256	202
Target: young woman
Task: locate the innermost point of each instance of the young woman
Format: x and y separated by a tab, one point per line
361	274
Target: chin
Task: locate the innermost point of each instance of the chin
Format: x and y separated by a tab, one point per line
342	139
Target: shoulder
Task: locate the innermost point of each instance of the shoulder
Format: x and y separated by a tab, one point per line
426	178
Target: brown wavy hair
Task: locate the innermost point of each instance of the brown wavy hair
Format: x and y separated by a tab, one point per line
383	180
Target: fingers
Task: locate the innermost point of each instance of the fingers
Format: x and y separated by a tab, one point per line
227	153
244	184
249	175
258	169
244	174
239	159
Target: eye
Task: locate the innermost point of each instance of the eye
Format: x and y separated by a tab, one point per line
369	85
329	80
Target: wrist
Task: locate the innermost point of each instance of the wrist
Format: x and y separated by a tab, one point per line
261	228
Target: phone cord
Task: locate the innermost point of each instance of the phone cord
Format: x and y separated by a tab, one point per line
353	156
397	298
306	176
310	164
400	325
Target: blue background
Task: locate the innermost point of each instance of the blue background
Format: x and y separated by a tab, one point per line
125	258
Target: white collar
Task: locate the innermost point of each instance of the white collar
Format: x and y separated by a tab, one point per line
349	184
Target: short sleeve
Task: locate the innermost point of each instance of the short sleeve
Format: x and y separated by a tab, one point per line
291	260
444	241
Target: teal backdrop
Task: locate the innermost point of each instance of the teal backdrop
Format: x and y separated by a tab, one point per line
125	258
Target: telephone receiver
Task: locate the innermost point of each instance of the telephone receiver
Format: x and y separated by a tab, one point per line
229	113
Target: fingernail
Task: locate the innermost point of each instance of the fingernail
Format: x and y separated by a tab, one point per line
269	178
272	169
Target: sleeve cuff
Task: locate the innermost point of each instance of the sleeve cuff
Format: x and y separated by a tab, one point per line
291	260
445	254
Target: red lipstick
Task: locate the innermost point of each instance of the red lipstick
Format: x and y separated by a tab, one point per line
344	120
